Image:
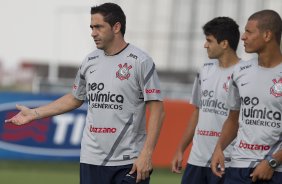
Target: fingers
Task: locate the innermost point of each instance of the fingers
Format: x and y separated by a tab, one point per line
214	168
176	167
19	118
19	107
133	169
254	177
142	175
218	167
8	121
221	165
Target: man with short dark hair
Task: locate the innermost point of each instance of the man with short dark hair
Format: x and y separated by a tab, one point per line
118	81
209	96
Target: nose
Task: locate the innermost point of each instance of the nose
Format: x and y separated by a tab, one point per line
206	45
94	32
243	37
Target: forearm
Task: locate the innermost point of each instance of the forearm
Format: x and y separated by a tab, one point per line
189	131
278	156
154	126
229	130
64	104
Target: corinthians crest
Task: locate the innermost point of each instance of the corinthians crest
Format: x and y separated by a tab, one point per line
276	89
123	72
226	84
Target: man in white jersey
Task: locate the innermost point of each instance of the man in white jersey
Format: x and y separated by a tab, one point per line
255	102
208	97
118	81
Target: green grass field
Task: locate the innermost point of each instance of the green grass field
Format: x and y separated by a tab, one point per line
27	172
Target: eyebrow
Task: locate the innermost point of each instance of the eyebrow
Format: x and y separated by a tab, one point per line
95	26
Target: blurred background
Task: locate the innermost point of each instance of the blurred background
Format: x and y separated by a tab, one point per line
45	41
42	44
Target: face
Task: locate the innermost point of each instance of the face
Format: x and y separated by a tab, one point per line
214	49
102	32
252	37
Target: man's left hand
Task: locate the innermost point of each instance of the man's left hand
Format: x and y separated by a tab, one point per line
262	171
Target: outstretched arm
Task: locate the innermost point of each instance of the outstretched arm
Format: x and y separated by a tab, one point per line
143	164
228	134
185	141
59	106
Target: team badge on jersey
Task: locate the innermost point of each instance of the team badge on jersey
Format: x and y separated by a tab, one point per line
226	84
123	72
276	89
74	87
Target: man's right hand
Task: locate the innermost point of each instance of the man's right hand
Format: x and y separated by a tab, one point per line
217	163
177	162
25	115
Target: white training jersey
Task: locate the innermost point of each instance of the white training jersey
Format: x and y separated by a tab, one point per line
257	92
209	95
116	89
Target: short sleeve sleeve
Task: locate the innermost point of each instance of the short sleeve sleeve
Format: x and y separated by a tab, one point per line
149	81
196	92
79	86
233	100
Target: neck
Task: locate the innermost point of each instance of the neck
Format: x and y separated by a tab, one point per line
228	59
115	47
270	58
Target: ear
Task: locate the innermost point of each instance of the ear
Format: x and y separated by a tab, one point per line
267	35
117	27
224	44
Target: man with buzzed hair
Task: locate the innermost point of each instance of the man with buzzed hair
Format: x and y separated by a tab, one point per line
255	102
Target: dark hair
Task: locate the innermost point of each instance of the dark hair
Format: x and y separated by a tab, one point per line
112	14
269	20
223	28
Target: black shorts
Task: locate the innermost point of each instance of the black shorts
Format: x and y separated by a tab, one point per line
200	175
242	176
95	174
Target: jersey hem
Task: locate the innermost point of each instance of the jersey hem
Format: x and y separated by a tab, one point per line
114	163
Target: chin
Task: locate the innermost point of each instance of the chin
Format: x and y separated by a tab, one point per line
99	47
249	51
212	57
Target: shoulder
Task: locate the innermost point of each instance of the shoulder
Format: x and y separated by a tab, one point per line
138	54
92	56
245	66
208	65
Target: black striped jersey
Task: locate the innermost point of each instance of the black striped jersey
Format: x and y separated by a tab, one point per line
116	89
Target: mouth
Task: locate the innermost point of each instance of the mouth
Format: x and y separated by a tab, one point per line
97	41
